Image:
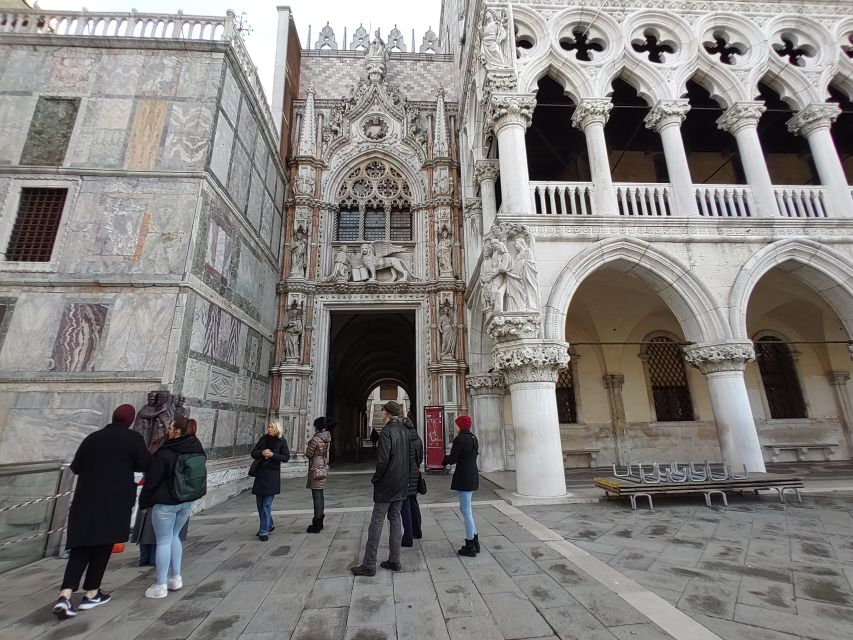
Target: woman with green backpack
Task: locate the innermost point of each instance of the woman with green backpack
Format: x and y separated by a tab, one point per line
177	477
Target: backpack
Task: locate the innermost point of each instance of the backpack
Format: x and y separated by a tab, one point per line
190	480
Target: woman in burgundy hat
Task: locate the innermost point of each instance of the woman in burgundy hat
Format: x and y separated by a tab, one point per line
466	479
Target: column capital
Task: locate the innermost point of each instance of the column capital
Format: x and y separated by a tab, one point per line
590	111
838	378
740	115
720	356
484	384
486	170
613	380
813	117
511	325
472	207
507	109
531	360
666	113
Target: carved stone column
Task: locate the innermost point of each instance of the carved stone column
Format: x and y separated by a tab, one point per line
838	380
814	122
613	383
722	364
510	115
530	367
741	120
486	392
590	116
666	118
486	173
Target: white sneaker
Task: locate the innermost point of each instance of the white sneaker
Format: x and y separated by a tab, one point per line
175	583
156	591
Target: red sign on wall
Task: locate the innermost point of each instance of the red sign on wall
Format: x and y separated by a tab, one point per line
434	425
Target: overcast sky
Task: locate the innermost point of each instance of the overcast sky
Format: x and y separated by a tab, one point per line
262	16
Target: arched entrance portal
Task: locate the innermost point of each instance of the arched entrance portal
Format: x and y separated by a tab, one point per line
366	350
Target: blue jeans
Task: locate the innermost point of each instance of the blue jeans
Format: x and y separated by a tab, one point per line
467	513
265	514
168	520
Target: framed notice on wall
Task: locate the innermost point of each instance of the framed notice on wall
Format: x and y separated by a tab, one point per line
434	431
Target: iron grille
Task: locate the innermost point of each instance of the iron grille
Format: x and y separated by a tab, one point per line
567	409
668	380
374	224
401	225
347	230
781	386
36	225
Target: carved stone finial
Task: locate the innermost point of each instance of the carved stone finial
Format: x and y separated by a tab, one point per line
430	42
396	40
360	39
326	39
308	134
441	142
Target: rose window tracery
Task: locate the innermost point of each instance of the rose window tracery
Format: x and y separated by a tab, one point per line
374	203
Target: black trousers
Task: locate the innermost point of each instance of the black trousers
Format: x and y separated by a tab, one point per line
319	502
411	513
92	560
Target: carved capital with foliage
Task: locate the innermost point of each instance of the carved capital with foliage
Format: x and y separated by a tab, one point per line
740	115
813	117
484	384
506	109
591	111
531	360
486	170
666	113
722	356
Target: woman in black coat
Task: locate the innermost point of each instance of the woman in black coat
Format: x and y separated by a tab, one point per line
272	451
411	511
101	508
466	479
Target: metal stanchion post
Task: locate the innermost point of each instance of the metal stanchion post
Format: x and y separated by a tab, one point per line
54	544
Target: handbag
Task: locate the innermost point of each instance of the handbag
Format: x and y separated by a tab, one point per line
253	468
422	488
322	473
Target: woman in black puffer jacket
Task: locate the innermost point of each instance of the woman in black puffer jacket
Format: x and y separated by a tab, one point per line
466	479
411	511
272	450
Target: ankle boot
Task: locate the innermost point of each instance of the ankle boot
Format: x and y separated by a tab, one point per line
320	521
315	526
468	550
476	542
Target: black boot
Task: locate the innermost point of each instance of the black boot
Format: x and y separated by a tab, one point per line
315	526
320	521
476	542
468	550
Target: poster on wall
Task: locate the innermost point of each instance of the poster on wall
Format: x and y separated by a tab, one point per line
434	426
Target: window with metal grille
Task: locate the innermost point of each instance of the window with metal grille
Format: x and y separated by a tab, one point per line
374	224
781	386
567	409
668	380
401	225
347	227
36	225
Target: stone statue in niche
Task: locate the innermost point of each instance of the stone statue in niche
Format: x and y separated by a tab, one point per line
446	333
154	417
341	267
293	333
444	250
298	253
376	59
497	263
522	283
492	37
180	409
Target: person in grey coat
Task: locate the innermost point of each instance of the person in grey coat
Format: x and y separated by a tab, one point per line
390	489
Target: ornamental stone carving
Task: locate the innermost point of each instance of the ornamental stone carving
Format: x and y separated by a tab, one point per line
666	113
484	384
509	280
526	361
293	328
723	356
513	326
740	115
509	109
493	36
813	117
376	59
486	170
591	111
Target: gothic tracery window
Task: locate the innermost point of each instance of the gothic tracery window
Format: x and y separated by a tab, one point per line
668	380
781	385
374	203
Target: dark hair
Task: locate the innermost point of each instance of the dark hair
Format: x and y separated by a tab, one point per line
187	426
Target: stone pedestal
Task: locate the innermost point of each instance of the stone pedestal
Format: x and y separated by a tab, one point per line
486	392
530	367
722	364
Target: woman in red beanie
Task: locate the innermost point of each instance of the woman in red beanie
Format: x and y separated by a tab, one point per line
466	479
101	508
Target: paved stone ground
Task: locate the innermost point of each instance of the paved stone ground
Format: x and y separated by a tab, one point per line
758	570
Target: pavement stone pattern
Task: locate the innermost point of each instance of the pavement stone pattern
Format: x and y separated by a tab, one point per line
757	570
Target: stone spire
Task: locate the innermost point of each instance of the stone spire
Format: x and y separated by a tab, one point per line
308	135
441	145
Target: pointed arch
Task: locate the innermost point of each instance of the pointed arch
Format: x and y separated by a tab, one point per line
694	307
817	266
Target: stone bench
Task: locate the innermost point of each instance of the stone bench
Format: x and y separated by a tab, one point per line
800	450
590	456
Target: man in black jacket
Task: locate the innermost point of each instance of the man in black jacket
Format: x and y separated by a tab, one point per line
390	487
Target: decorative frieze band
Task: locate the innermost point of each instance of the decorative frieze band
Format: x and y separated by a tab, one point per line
590	111
740	115
531	360
722	356
812	117
665	113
